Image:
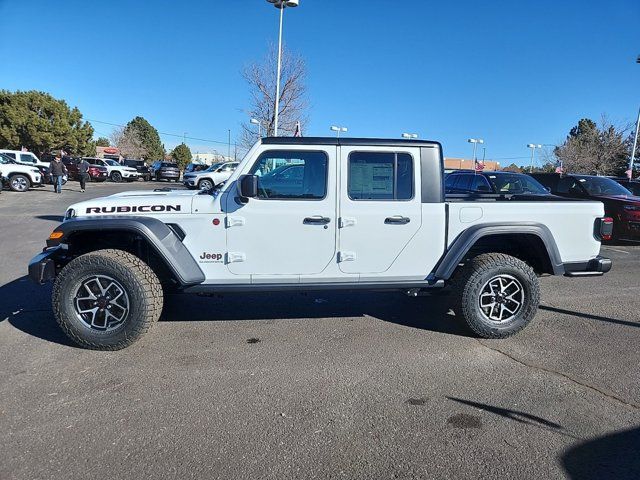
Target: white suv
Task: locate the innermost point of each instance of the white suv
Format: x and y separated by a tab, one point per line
25	158
211	177
116	171
19	177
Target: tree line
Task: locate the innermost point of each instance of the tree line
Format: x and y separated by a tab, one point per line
43	124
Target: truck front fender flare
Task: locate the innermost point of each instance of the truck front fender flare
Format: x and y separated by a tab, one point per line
161	238
468	238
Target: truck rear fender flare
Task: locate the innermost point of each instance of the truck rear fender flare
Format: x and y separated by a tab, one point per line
468	238
162	238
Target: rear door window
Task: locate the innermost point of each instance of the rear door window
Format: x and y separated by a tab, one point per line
380	176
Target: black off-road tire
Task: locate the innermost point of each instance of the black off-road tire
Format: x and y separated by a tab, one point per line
474	276
141	284
116	177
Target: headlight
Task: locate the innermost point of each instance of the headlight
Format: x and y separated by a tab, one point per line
69	214
633	208
35	170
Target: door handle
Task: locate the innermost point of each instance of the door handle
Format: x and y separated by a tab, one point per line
397	220
316	220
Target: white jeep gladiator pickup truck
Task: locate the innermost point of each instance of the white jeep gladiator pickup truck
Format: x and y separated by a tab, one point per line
348	214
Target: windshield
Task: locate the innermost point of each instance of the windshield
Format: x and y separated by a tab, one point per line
113	163
515	183
602	186
214	167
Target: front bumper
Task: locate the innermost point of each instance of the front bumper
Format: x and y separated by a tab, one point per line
189	182
42	267
130	175
593	268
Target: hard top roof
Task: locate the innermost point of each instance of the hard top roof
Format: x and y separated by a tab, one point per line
369	142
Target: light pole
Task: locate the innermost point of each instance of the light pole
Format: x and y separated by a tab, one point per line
635	141
257	122
533	147
475	142
411	136
281	5
338	130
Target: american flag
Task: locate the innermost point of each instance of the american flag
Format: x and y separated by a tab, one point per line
479	166
559	169
629	174
298	131
24	149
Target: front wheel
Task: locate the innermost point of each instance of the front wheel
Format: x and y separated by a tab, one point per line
116	177
497	295
107	299
19	183
205	184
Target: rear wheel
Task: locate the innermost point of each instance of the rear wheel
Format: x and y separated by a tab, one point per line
107	299
19	183
116	177
497	295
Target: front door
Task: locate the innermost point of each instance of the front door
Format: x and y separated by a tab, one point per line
290	227
380	208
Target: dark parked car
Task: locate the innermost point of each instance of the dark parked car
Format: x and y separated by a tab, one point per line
96	173
632	185
165	171
619	203
499	183
195	167
140	166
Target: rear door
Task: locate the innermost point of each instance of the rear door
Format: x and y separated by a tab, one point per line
379	207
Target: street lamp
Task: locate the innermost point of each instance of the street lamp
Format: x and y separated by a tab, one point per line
533	147
410	135
281	5
635	141
255	121
475	142
338	130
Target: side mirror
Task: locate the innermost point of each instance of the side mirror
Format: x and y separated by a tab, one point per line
248	186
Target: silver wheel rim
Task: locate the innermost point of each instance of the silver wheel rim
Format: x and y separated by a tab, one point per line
19	183
501	298
205	185
101	303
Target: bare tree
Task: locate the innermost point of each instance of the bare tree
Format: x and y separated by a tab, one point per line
261	78
591	148
128	142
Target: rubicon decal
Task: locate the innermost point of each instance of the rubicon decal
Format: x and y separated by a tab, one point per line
135	209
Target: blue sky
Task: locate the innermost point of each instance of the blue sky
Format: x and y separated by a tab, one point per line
510	72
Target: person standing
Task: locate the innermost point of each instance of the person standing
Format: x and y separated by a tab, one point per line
57	170
83	171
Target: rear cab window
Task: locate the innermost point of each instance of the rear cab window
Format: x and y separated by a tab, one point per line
380	176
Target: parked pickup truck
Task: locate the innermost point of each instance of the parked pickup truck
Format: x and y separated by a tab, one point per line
352	214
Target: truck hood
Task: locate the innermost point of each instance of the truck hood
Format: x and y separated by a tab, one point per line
136	203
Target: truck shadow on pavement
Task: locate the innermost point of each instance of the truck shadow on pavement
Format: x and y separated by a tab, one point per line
27	307
425	313
611	456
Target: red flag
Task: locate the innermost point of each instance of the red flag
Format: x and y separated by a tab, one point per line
298	131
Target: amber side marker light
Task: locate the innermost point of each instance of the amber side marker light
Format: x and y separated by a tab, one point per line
55	235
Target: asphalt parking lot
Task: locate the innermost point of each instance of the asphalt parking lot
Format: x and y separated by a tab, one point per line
344	385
